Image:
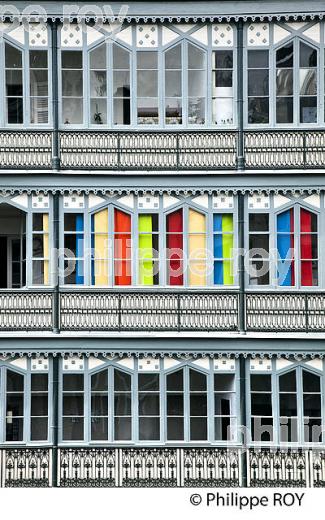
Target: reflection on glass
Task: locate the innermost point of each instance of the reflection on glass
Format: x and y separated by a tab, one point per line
222	87
196	84
72	87
258	86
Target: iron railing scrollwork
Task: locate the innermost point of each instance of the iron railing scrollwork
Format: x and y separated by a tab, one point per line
26	467
278	468
21	149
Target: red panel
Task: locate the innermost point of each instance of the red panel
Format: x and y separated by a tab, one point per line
292	244
175	242
305	247
122	248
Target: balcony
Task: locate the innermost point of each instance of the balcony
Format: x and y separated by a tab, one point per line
162	467
128	311
163	150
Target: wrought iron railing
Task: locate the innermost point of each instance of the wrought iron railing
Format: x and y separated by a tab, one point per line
284	149
161	467
279	468
165	311
162	150
25	149
137	310
288	312
24	310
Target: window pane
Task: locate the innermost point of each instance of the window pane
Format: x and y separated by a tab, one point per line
175	428
39	429
73	428
73	382
198	429
97	58
308	56
148	382
122	381
288	382
72	111
99	404
99	381
258	82
260	383
288	405
39	382
39	404
149	428
311	382
284	56
175	404
284	110
15	382
122	428
73	404
197	380
308	109
71	59
224	382
173	58
284	82
99	429
122	404
258	110
258	59
175	381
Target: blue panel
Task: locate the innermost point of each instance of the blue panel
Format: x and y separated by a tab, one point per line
284	243
79	249
217	249
218	273
217	222
92	250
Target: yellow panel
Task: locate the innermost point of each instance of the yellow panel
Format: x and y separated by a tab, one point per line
101	246
46	247
197	249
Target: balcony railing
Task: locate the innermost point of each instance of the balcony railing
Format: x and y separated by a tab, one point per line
163	150
148	150
161	467
109	310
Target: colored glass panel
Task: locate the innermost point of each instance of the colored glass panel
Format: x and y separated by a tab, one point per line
148	249
122	248
222	249
175	247
100	247
197	248
285	240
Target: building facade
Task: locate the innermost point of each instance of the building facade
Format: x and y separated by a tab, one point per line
162	223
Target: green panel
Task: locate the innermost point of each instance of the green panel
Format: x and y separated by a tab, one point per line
145	250
227	246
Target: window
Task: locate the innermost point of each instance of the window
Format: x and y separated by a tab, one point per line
38	74
288	407
173	85
99	406
259	239
307	83
122	406
147	87
223	243
312	409
222	87
261	408
174	244
73	248
149	407
72	87
14	406
73	407
98	85
224	407
39	407
122	248
284	84
197	252
100	247
175	406
41	253
197	80
148	249
198	406
14	85
303	242
121	86
258	86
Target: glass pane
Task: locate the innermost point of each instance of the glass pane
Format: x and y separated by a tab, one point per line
198	404
38	83
13	57
39	404
198	381
258	222
284	82
224	382
15	404
99	428
312	405
147	83
261	383
122	111
98	58
98	86
288	405
261	404
258	110
99	404
73	382
198	429
173	58
73	404
14	429
14	83
121	57
224	428
98	111
72	83
284	110
39	382
308	82
149	428
147	60
73	428
308	56
149	404
71	59
15	382
175	428
262	429
39	110
38	59
173	83
122	404
39	429
258	82
99	381
288	382
122	428
258	59
196	57
311	382
148	382
284	56
175	380
288	429
175	404
72	111
196	82
308	109
222	59
121	84
122	381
